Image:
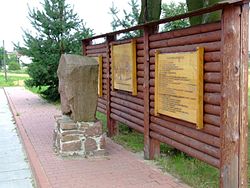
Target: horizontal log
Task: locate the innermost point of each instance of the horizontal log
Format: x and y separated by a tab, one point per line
139	40
188	40
127	122
140	60
128	104
207	128
97	54
208	47
128	98
212	77
212	56
105	70
140	95
103	101
213	66
126	41
101	110
212	109
140	46
189	132
188	141
212	88
89	47
190	151
104	92
208	118
129	111
140	73
140	53
128	117
140	81
104	97
140	88
212	119
212	98
186	32
140	67
103	106
97	51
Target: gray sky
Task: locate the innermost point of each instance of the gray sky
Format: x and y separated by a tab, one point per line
14	16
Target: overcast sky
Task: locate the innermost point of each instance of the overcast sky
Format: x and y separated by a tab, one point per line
14	16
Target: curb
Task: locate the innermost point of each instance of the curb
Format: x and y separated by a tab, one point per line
41	178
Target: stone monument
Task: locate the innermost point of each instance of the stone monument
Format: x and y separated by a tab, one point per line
77	132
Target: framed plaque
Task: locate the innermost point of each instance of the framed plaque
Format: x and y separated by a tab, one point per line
124	67
99	60
179	85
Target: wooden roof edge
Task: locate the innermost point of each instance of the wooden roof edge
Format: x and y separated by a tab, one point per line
215	7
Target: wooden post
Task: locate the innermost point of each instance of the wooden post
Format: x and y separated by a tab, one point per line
146	94
85	43
243	97
150	147
234	97
111	124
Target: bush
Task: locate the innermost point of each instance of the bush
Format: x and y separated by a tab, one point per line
13	66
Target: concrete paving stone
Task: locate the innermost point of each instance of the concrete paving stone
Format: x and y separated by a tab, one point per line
15	175
14	168
24	183
19	165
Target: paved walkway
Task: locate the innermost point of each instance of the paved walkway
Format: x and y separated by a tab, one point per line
120	169
14	167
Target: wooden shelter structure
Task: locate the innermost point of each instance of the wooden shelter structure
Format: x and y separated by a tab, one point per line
222	142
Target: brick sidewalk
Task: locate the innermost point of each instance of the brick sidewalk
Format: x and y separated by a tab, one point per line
119	169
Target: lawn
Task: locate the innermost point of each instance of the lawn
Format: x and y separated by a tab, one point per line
13	80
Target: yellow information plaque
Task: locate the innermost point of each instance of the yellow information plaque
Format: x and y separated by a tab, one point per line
124	67
179	85
99	60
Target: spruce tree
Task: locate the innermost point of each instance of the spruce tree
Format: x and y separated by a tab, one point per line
58	30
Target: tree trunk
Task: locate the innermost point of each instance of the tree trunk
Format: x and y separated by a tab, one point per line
206	18
194	5
150	10
212	17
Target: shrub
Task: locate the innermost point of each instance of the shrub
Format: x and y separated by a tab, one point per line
13	66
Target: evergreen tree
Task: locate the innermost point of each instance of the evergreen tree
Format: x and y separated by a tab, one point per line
129	18
173	9
58	30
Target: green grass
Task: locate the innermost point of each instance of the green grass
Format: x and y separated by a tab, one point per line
12	80
129	138
191	171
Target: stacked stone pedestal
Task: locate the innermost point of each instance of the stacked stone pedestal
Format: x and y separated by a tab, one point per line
78	139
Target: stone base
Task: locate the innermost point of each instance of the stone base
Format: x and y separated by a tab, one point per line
80	139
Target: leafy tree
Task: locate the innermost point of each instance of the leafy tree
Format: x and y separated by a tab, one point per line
132	18
129	18
13	65
206	18
173	9
58	30
1	57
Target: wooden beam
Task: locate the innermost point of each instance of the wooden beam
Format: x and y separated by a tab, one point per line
243	97
230	115
111	124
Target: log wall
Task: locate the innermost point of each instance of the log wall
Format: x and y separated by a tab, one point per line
222	142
